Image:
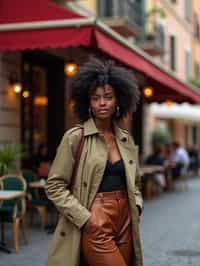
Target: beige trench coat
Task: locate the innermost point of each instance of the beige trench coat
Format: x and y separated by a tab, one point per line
74	208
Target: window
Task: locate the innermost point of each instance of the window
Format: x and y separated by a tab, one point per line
197	30
197	70
188	9
173	52
105	8
160	36
133	10
195	134
188	65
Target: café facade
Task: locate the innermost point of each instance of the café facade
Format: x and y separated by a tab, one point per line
40	43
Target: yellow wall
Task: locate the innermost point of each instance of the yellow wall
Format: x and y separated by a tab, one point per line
196	43
148	6
89	4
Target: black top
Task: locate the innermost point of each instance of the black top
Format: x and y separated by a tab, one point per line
114	177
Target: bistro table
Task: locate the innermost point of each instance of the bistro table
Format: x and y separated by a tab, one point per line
9	195
37	184
40	185
149	171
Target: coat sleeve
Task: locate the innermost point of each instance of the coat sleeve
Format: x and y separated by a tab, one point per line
138	194
58	179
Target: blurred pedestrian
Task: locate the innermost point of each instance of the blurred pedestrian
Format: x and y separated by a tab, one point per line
99	214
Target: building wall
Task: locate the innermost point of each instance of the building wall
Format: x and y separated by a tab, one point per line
174	24
148	125
89	4
177	25
196	43
177	128
9	101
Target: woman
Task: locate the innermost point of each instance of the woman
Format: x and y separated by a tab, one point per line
99	218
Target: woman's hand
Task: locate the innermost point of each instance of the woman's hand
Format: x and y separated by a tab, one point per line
86	225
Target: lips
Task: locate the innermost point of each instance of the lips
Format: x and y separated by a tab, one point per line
103	111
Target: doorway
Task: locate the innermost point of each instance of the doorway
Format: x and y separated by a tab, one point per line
42	103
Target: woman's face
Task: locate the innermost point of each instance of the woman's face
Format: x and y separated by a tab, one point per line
103	102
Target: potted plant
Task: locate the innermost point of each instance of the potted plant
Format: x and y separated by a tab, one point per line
154	11
150	36
161	136
9	158
149	33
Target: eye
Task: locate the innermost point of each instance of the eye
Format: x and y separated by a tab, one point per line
94	98
110	97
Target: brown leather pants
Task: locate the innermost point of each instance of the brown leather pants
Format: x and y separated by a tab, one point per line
107	236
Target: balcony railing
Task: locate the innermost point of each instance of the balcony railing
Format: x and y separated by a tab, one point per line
126	17
153	42
133	10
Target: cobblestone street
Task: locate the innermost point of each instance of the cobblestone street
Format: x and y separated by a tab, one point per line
170	230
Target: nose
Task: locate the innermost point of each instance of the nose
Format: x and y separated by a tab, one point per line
102	101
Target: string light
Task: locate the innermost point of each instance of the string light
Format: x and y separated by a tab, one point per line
169	103
70	68
148	92
17	87
26	94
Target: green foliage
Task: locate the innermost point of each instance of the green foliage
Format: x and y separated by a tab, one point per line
9	156
161	136
150	36
196	82
156	10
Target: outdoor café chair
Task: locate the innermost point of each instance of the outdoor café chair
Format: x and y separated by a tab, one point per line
34	201
13	211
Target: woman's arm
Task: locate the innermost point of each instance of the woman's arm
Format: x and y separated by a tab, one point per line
58	180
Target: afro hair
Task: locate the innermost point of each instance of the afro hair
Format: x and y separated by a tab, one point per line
97	73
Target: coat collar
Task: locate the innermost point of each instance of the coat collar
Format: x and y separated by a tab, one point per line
91	129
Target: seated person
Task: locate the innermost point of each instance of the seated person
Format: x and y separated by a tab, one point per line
179	160
157	158
42	161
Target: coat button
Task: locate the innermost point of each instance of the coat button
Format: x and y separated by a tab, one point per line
124	139
62	233
131	161
70	216
85	184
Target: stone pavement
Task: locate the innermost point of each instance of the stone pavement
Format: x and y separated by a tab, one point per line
170	230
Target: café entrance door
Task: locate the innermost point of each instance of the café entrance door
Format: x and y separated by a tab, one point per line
42	103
